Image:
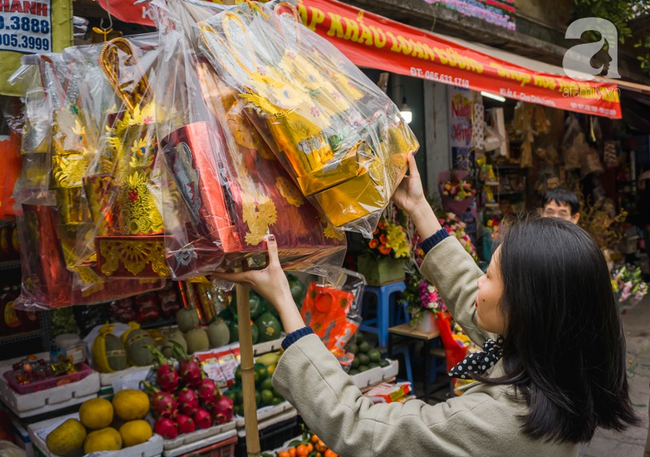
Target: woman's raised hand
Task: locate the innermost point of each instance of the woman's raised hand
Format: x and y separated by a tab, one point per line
409	196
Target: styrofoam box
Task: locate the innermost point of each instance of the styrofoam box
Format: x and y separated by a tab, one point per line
268	413
209	441
107	379
199	435
39	431
22	438
49	400
376	375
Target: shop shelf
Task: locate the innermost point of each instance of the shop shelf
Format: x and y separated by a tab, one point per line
31	335
10	265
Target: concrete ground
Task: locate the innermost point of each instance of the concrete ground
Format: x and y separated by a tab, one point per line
631	443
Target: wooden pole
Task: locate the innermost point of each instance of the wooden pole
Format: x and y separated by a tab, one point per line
247	371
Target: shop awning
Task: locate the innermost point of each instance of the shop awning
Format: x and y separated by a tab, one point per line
372	41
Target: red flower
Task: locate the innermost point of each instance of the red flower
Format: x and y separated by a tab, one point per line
384	249
383	239
373	243
382	226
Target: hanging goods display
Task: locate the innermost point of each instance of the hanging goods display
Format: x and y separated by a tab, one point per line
129	237
224	190
338	135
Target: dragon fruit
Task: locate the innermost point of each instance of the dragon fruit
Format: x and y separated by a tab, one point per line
202	419
208	392
163	404
166	375
166	428
188	401
185	424
222	410
189	367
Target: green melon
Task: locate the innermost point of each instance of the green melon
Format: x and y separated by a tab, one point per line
173	336
136	342
187	319
197	340
218	333
115	353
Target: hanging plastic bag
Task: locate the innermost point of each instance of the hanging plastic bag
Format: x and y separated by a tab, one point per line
338	135
11	164
122	191
224	189
54	214
332	307
46	282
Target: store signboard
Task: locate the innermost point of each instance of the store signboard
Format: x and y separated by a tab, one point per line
26	26
461	139
31	27
373	41
496	12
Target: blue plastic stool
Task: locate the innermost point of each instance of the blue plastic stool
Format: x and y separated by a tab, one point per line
406	352
380	323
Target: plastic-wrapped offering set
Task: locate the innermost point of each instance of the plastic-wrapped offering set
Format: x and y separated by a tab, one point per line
174	155
66	105
338	135
227	188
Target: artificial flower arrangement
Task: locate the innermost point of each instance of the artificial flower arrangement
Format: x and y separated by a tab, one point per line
458	189
628	286
492	224
455	227
421	296
389	240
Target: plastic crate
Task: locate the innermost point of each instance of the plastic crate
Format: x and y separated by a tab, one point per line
225	448
272	436
24	389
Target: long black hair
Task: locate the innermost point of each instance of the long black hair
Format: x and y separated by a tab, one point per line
564	349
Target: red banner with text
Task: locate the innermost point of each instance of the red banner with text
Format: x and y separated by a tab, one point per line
372	41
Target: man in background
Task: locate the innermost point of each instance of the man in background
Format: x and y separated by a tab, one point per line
562	203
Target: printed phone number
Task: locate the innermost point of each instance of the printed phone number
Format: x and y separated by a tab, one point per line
25	24
435	76
30	43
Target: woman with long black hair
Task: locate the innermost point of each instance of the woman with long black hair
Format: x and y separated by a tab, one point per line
553	369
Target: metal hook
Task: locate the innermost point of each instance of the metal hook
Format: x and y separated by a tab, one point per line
103	30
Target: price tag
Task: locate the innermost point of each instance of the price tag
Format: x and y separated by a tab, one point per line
26	26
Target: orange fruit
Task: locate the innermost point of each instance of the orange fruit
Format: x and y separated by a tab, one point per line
314	439
310	447
283	454
292	452
302	451
330	453
320	446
